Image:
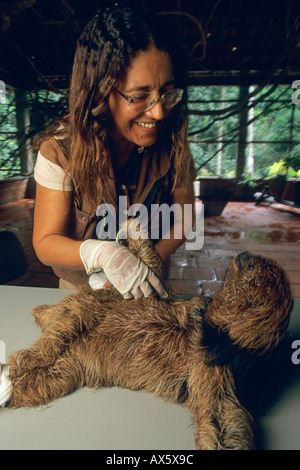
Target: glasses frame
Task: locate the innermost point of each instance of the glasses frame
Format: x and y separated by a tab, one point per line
154	101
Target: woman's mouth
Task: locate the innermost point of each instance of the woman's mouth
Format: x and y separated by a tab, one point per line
147	125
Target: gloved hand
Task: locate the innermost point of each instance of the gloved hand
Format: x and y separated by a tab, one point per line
5	385
128	274
98	280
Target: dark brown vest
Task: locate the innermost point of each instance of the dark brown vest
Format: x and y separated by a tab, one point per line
146	179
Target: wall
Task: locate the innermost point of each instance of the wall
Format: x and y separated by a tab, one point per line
14	189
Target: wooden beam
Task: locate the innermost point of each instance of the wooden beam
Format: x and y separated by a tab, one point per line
243	130
23	126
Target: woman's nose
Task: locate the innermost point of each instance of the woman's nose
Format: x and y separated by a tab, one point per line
157	111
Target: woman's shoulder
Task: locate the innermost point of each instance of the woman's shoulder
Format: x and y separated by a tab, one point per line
50	168
55	149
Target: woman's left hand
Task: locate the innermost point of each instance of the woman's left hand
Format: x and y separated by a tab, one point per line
99	281
127	273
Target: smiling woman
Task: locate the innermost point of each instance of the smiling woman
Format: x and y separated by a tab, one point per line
134	121
125	135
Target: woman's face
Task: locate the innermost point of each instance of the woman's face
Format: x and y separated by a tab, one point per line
151	71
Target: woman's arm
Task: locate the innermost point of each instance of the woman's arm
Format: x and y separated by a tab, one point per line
50	231
51	220
166	246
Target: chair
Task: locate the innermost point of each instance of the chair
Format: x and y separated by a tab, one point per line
13	260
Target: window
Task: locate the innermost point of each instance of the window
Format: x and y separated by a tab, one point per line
272	125
9	162
22	116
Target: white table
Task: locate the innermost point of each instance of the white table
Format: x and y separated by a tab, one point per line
112	418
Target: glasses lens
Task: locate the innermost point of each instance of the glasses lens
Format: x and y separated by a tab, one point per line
140	102
171	98
144	102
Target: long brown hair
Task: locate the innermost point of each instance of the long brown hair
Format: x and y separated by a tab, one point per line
104	51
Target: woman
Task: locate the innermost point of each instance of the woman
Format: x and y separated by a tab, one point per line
125	135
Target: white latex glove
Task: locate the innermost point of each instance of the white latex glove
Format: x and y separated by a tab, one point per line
97	280
127	273
5	385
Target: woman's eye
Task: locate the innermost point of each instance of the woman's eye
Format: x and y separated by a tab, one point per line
138	98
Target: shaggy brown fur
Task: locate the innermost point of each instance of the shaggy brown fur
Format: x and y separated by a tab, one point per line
183	351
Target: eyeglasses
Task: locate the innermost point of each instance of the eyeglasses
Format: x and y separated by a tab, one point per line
142	101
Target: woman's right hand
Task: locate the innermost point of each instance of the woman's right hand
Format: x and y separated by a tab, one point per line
127	273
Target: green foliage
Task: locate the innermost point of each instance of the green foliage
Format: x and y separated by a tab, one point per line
9	163
213	129
278	168
44	106
207	127
293	161
273	134
288	167
247	181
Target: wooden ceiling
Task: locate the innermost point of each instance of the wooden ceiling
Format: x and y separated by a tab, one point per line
226	41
